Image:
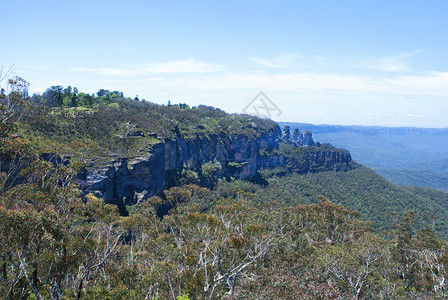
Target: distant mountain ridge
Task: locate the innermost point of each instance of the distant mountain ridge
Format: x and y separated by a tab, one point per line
404	155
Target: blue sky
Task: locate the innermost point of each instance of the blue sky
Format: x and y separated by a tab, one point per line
334	62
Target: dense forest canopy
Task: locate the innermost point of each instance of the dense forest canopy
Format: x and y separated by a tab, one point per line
229	242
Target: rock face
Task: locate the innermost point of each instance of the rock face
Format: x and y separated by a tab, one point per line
127	180
327	160
131	180
297	138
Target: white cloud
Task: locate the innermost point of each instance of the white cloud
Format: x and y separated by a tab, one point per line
344	97
190	65
415	116
117	72
429	83
152	79
107	71
285	61
395	63
285	81
37	68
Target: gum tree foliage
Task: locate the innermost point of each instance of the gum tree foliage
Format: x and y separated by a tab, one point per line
47	248
15	152
220	244
210	172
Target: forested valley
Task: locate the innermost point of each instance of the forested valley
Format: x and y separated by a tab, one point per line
345	233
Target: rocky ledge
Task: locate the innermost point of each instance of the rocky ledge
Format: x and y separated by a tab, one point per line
130	180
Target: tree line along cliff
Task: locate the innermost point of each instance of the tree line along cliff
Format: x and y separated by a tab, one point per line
132	150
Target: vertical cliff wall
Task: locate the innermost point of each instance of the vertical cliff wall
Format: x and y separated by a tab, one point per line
134	179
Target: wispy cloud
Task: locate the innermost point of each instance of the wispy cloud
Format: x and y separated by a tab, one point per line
189	65
283	62
193	74
395	63
284	82
107	71
415	116
151	79
36	68
429	83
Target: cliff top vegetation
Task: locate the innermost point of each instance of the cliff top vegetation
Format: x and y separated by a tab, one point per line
63	119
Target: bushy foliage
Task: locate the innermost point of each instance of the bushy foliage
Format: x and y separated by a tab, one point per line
228	243
108	123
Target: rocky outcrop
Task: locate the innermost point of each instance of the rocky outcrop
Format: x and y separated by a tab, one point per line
297	138
134	179
130	180
127	180
326	160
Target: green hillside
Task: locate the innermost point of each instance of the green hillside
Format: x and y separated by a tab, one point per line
114	125
118	126
360	189
276	236
416	177
405	156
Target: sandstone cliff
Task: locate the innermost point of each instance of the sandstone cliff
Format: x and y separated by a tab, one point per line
132	179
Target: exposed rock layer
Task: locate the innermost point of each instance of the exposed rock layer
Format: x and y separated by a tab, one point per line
134	179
